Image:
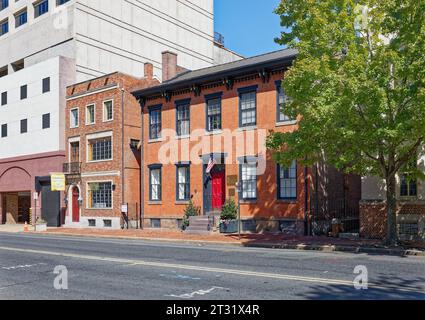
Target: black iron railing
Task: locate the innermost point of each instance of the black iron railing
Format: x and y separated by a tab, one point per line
72	168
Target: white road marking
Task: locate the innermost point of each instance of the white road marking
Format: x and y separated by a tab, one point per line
196	293
132	262
24	266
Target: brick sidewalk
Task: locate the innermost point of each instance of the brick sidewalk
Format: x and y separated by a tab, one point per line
278	241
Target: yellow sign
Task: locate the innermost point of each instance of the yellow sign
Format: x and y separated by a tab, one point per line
58	182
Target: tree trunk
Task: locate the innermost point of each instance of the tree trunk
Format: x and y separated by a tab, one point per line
391	212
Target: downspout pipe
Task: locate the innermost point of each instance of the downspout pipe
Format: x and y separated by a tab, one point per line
142	168
122	152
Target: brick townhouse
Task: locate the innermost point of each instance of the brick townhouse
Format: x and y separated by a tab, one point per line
103	124
220	116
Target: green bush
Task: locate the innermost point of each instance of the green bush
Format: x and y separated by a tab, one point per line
190	211
229	211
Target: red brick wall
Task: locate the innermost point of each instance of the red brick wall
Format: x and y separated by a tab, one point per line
373	217
126	125
373	220
267	205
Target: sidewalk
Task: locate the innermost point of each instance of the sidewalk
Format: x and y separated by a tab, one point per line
275	241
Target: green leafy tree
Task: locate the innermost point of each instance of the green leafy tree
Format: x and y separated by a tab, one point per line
358	84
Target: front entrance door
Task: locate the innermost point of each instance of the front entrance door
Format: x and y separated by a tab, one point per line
75	205
218	189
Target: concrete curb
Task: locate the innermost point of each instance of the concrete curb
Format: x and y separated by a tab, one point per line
301	247
340	248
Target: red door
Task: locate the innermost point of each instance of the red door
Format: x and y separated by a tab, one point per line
75	205
218	190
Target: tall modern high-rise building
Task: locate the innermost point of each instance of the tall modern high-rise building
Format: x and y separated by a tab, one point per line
46	45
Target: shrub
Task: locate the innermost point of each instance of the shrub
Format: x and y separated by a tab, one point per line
190	211
229	211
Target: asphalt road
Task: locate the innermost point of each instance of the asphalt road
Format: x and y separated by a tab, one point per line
132	269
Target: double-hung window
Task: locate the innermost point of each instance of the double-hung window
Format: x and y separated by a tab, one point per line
282	99
90	114
213	103
74	118
248	174
155	122
287	182
108	110
100	195
4	27
21	18
41	8
408	184
183	182
4	4
248	106
183	117
155	183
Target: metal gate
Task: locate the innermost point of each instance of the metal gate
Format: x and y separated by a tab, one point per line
325	211
131	219
50	204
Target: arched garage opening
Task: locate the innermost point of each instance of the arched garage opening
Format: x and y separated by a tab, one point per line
15	195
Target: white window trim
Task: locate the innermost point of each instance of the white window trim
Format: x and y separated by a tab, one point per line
72	140
94	116
87	195
104	113
99	136
70	118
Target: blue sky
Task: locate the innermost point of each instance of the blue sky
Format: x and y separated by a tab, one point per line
248	26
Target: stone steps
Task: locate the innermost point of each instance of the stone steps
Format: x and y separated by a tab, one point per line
199	225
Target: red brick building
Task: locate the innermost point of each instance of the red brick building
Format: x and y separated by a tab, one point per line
103	124
221	116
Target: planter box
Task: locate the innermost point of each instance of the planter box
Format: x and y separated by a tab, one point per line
41	227
229	227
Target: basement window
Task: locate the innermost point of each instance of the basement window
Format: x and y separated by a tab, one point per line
155	223
107	223
92	223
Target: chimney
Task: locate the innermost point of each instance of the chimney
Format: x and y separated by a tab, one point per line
169	65
149	71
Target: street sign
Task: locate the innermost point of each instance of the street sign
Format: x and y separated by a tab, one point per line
58	182
124	208
35	196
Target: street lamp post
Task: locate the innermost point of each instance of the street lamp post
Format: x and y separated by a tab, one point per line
239	189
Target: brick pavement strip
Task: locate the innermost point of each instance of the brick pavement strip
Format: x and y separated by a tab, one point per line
274	241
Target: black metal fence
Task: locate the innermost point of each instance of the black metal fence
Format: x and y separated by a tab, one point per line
324	212
132	218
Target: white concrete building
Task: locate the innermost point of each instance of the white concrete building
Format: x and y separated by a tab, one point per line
104	36
50	44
